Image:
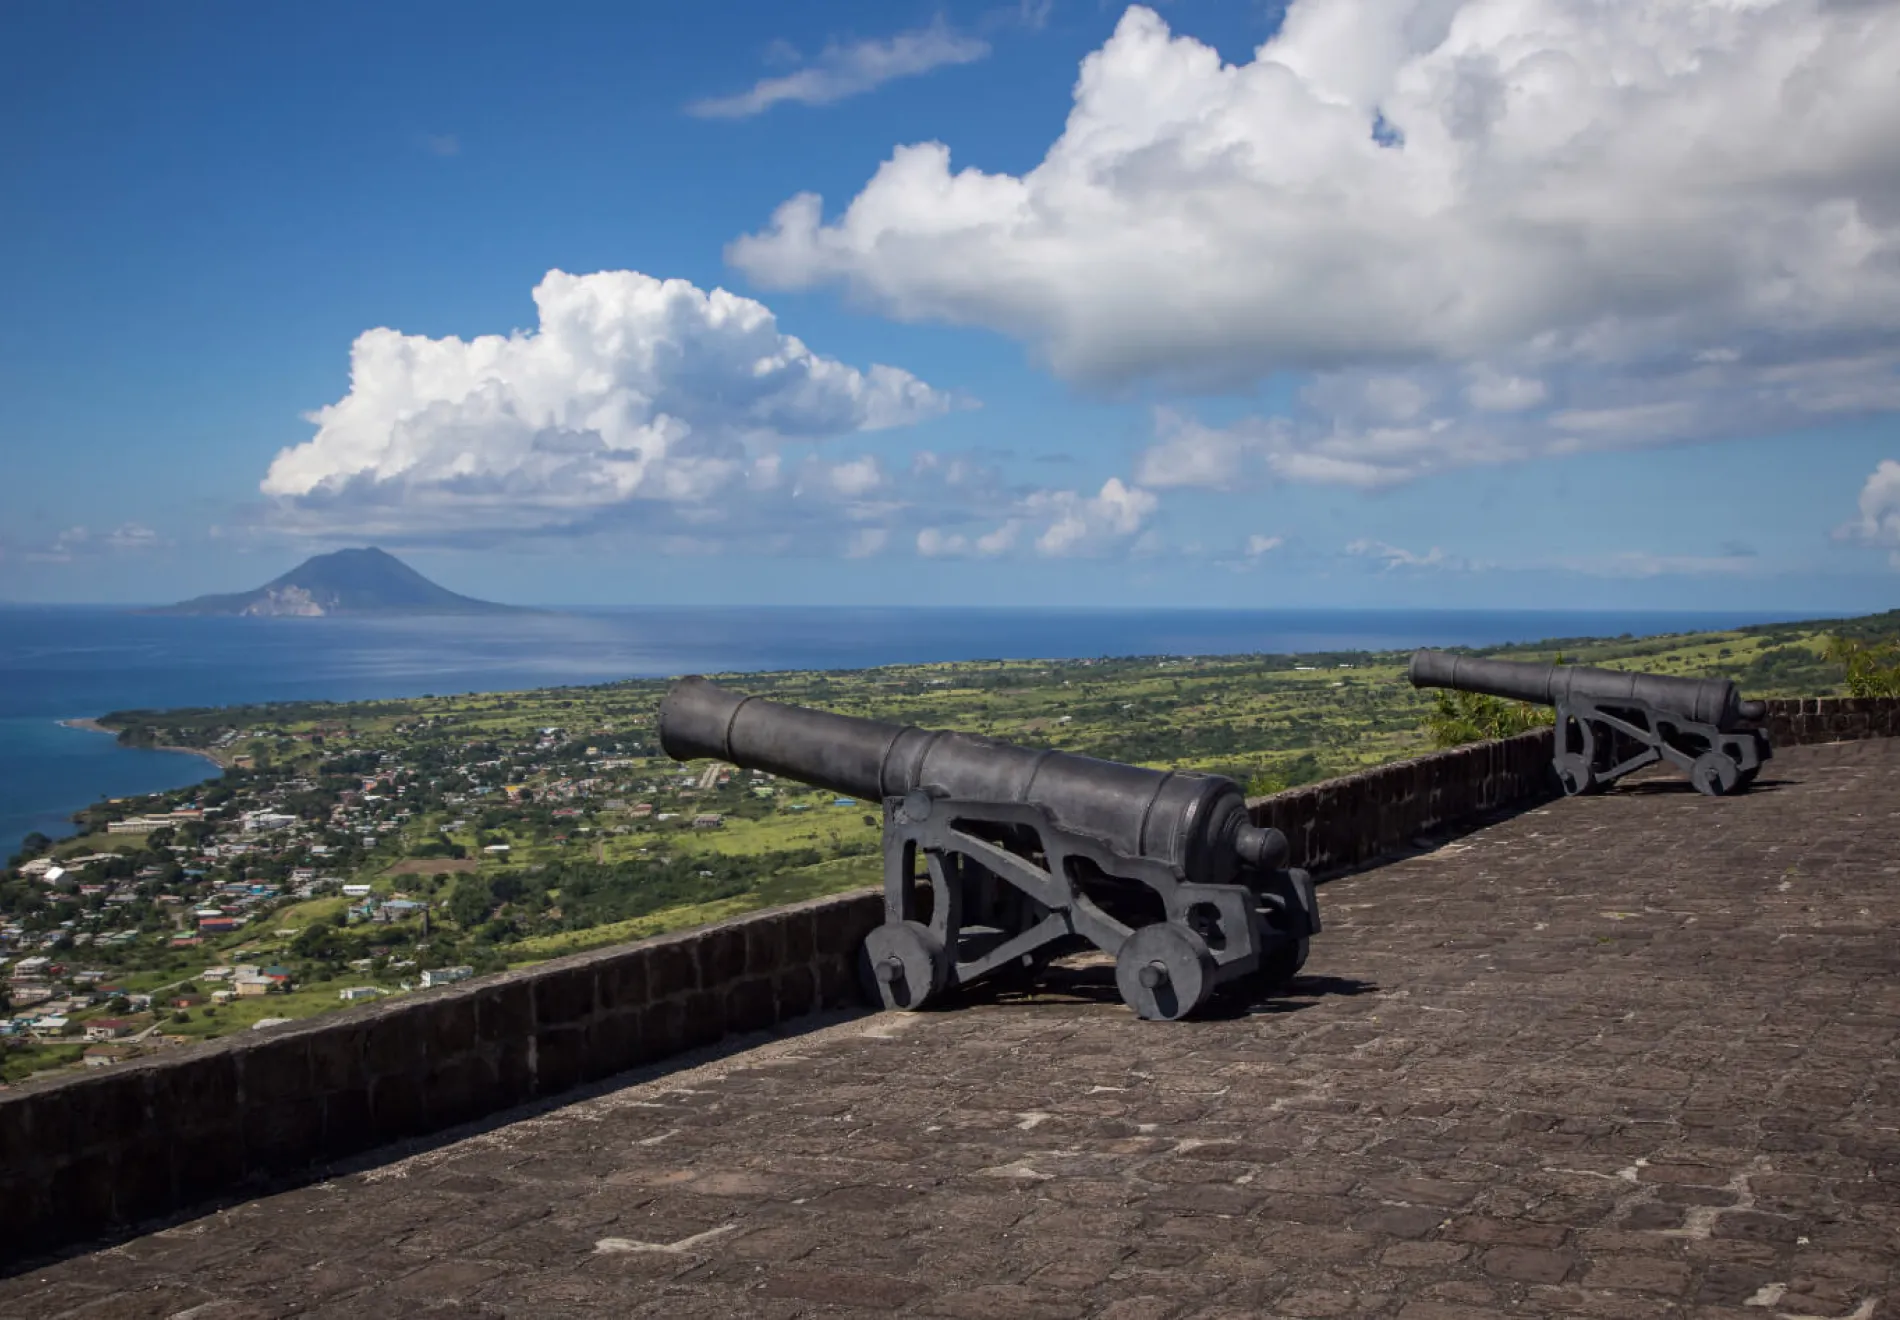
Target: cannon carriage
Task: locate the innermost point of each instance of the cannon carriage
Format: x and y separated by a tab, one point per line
999	859
1612	721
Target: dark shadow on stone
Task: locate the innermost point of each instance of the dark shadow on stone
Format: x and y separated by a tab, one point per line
1094	983
402	1150
1660	787
1302	993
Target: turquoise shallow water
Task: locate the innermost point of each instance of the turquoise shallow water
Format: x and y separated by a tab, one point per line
64	662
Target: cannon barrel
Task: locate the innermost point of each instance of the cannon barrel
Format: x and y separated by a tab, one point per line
1195	821
1707	700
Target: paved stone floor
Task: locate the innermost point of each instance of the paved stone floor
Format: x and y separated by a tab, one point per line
1628	1056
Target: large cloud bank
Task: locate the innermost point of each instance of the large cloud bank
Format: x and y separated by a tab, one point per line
649	407
1488	229
634	394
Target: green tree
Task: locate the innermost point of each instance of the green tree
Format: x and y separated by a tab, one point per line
471	902
1873	668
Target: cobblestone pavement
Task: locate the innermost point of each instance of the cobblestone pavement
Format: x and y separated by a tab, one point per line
1627	1056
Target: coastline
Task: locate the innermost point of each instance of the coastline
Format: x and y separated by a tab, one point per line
93	726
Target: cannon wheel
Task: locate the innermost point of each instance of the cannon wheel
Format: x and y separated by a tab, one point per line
1745	778
1715	774
1277	969
1574	771
903	965
1164	971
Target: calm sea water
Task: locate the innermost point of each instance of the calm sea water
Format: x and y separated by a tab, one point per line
61	662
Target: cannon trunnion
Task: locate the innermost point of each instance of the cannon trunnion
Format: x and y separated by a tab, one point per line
999	859
1610	721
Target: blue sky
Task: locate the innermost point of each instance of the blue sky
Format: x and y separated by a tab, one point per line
1365	303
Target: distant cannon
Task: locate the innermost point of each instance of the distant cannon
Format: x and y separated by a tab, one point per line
1030	854
1610	722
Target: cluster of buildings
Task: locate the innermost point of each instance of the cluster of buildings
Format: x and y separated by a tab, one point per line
204	871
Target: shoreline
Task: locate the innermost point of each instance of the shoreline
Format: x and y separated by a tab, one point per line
89	725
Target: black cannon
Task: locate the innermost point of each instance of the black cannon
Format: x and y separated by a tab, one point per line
1610	722
1030	855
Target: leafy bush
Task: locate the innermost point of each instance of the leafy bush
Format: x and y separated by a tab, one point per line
1467	717
1873	667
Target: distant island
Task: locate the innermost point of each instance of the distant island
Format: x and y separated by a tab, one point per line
353	582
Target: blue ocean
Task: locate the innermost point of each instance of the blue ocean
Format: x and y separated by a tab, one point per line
62	662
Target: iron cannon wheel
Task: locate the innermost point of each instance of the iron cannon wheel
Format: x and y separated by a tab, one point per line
1715	773
1575	772
1164	971
1284	963
903	966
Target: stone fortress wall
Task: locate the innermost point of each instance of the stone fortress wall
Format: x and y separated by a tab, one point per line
83	1156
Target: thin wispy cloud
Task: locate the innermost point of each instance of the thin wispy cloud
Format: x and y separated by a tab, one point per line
441	144
850	69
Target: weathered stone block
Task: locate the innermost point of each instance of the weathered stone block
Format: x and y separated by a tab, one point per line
504	1010
621	983
801	936
764	943
100	1110
186	1089
662	1029
80	1204
141	1181
513	1062
721	957
564	997
458	1089
392	1044
281	1135
797	991
672	969
337	1058
206	1161
838	984
704	1020
448	1024
273	1070
751	1005
347	1127
397	1108
557	1059
613	1044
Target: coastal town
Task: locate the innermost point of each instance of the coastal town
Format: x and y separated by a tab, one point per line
332	864
350	852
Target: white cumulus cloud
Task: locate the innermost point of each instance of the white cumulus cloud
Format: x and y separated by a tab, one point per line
1491	229
633	397
1057	523
1879	521
849	68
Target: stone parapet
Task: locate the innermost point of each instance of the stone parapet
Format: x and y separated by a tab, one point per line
1797	720
1342	823
80	1156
